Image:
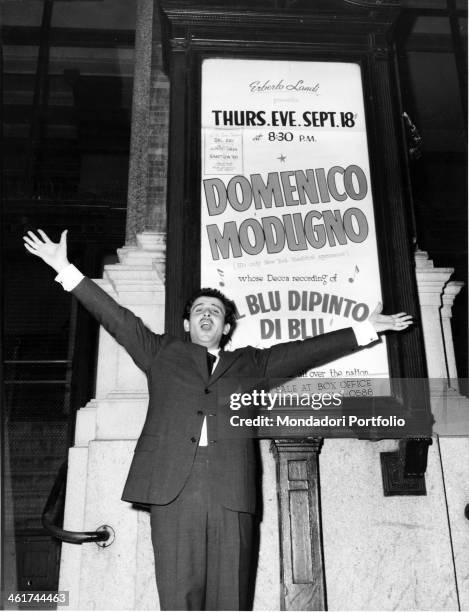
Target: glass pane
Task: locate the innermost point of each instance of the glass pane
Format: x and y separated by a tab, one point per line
37	372
431	25
435	91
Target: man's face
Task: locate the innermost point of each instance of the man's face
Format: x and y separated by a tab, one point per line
206	324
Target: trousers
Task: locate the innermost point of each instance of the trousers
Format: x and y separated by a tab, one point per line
203	551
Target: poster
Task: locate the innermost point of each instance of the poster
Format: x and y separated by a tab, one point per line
287	222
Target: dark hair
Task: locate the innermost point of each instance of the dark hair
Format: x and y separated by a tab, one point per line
231	312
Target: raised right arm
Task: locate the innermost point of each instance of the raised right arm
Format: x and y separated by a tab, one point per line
128	329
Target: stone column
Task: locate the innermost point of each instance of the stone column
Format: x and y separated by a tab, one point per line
450	291
430	283
450	410
436	295
146	208
139	138
159	134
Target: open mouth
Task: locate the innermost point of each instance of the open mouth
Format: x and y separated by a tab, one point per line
206	324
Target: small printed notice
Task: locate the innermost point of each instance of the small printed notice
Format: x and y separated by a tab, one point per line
223	152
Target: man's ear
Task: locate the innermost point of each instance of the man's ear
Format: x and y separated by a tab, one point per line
186	325
226	328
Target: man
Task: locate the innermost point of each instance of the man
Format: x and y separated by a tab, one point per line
202	490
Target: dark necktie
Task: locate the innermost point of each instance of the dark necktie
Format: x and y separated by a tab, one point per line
210	361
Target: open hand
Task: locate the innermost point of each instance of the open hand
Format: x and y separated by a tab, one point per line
394	322
53	253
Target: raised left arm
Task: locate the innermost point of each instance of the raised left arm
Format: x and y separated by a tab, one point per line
291	358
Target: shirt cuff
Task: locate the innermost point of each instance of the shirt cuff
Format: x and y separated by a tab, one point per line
69	277
364	333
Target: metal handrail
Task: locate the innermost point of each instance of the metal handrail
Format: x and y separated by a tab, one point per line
36	361
103	536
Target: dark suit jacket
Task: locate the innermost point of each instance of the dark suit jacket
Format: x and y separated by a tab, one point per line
181	393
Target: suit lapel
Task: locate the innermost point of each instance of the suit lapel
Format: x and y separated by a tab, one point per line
226	361
199	355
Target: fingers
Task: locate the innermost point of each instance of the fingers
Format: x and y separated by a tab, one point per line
30	249
32	240
36	242
44	236
401	320
395	322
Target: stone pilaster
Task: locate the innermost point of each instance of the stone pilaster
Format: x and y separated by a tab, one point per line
450	292
139	140
430	283
303	585
158	145
146	207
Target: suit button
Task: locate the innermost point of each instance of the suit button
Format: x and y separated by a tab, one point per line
207	391
200	413
193	440
212	441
